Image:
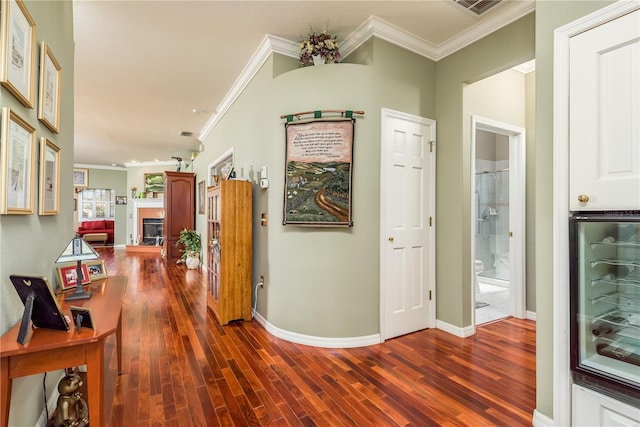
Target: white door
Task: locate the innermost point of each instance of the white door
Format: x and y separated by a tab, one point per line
604	122
407	217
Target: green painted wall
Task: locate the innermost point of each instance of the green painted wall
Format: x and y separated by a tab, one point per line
320	282
549	16
509	46
21	236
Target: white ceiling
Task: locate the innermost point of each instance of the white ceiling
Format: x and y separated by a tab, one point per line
145	71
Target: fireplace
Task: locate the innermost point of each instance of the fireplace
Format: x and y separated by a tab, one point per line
152	234
147	225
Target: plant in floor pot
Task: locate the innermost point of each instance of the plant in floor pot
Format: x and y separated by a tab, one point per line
192	246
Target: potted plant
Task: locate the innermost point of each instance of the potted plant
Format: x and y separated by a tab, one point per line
192	246
318	49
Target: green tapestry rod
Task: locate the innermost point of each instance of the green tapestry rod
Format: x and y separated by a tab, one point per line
318	114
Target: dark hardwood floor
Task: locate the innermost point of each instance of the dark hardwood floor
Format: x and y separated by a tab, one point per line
181	368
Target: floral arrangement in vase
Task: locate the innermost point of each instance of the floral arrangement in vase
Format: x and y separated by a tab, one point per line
319	48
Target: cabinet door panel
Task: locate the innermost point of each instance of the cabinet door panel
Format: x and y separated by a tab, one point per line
605	116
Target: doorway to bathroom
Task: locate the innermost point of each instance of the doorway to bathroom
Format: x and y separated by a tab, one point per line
498	220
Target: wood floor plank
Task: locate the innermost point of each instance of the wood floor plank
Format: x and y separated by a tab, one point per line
182	368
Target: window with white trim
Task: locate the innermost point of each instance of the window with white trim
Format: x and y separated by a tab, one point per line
96	203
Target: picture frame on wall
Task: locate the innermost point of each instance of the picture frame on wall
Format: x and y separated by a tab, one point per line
201	197
80	177
18	42
154	182
121	200
49	96
49	200
17	165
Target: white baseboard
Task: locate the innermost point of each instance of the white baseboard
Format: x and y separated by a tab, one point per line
313	341
531	315
465	332
540	420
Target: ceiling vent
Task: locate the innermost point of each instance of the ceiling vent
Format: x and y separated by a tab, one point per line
478	7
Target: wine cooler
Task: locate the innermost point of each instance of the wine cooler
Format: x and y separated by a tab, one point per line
605	302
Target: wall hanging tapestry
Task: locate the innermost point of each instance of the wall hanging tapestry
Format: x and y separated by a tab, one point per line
318	173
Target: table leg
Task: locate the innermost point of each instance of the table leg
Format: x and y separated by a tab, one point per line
95	386
5	391
119	343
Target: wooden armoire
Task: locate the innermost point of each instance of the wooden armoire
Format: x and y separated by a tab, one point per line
179	210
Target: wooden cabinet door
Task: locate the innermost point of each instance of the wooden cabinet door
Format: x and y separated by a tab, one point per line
604	122
179	210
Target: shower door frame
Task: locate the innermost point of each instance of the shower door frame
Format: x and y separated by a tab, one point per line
517	191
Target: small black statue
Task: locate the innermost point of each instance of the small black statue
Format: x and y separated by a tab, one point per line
72	409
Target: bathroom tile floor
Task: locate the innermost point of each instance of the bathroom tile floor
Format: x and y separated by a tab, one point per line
497	300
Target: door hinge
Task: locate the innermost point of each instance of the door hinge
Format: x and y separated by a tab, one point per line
430	221
431	144
429	295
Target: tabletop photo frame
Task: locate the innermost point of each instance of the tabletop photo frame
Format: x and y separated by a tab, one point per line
82	318
17	165
97	269
67	275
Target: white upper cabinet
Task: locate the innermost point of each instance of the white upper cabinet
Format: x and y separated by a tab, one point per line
604	122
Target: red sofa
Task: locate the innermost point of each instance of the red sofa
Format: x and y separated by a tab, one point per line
98	226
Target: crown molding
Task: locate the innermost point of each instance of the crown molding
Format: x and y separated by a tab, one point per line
376	27
89	166
372	27
269	45
512	11
149	164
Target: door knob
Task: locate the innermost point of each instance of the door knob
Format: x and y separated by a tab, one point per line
583	198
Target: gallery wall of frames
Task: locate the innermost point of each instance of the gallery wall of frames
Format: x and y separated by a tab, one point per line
26	161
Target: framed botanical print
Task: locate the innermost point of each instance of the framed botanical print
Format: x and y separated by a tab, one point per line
49	97
49	200
17	165
18	59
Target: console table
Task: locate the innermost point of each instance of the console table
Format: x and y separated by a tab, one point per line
49	350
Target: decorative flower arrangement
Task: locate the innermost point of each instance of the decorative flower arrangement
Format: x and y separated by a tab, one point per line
323	45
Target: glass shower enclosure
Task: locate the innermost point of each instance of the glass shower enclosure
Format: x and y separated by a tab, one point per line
492	221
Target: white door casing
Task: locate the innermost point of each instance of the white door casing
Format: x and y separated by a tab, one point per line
561	76
407	224
604	124
517	209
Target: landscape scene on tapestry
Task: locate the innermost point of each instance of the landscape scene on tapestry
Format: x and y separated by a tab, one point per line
318	173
